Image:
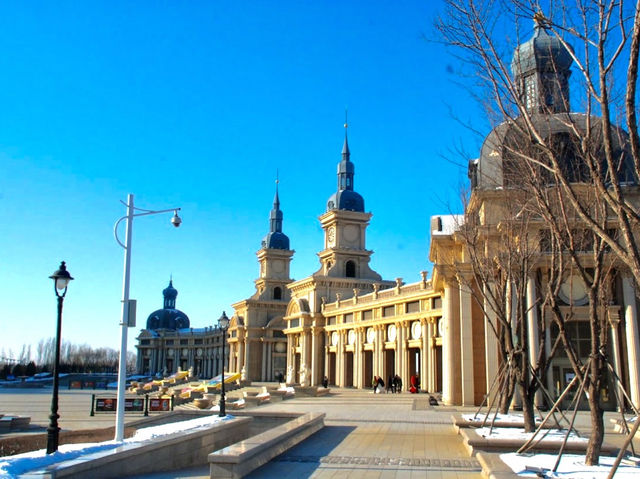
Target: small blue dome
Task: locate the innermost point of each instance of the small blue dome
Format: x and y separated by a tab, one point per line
276	240
170	292
346	200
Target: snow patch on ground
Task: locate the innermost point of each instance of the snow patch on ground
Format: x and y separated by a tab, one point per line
518	433
514	418
571	466
12	466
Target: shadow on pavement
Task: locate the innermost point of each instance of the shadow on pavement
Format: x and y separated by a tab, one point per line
305	457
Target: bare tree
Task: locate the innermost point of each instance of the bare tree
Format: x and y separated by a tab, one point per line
586	165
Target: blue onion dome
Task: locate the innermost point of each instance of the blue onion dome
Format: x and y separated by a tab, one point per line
346	200
168	317
275	240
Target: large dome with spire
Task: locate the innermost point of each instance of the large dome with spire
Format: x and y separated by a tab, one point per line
168	317
346	198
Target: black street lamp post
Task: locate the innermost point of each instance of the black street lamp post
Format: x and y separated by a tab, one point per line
223	323
61	280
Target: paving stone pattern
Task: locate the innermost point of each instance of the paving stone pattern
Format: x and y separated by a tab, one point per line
462	464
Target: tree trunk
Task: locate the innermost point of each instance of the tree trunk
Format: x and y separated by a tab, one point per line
527	409
596	437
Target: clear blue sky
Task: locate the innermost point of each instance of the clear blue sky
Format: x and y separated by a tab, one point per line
196	104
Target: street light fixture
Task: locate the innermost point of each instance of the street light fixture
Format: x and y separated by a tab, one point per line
128	305
223	324
61	279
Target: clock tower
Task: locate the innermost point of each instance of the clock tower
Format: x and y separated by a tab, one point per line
274	258
344	224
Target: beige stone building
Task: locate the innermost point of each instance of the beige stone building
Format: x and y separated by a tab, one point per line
347	323
257	344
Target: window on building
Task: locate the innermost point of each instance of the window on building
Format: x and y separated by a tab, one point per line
412	307
277	292
183	342
367	315
579	334
144	342
348	318
350	269
169	342
197	341
388	311
331	320
436	303
294	323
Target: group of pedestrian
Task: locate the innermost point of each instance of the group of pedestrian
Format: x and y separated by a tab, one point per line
393	385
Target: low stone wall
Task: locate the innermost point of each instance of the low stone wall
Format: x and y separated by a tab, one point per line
178	451
241	458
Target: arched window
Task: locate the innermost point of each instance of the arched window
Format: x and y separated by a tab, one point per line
277	292
350	269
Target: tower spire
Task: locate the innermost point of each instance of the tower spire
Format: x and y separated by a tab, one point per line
345	148
276	238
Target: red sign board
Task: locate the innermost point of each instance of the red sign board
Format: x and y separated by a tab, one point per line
105	404
159	404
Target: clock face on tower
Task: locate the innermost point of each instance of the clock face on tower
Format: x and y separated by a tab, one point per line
331	235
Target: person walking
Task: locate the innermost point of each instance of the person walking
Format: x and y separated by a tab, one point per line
398	383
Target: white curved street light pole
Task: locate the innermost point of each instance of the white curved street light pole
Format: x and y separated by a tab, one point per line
124	323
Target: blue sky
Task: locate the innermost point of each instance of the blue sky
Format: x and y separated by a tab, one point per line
196	105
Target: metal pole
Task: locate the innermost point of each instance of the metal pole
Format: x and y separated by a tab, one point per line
124	324
223	412
53	429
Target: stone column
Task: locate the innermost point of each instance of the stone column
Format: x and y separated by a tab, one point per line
633	341
340	360
466	346
305	356
490	345
399	356
425	340
327	344
247	357
448	343
313	367
378	369
614	321
533	335
358	361
265	362
404	355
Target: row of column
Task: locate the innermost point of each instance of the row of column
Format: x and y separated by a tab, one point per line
457	342
313	354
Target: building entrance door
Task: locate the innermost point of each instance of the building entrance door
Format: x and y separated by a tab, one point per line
389	363
367	367
414	362
348	371
331	374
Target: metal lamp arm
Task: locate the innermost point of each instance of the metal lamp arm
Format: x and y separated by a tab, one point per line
145	213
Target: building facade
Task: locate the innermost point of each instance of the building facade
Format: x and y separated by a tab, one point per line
168	343
345	322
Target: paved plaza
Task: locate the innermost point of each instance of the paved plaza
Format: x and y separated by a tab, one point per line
365	435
